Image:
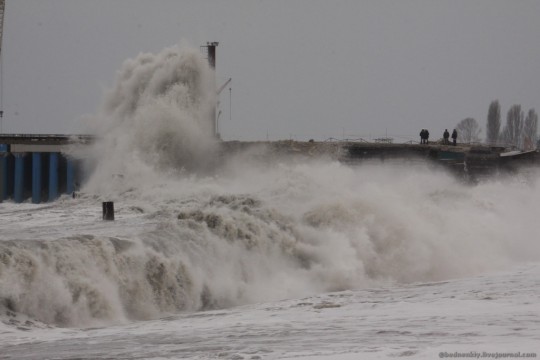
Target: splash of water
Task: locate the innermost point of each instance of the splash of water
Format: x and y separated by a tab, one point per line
156	118
252	231
266	234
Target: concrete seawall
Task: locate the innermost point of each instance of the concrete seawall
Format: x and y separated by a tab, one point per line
473	161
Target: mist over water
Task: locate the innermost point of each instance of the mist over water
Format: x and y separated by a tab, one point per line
250	231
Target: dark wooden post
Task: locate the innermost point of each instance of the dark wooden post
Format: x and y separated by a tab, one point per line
108	210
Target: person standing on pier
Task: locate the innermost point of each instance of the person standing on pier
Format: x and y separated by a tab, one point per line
454	137
426	136
446	135
422	135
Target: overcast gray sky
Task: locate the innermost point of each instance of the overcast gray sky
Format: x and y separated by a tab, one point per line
300	68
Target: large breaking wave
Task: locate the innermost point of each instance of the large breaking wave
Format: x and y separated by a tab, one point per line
156	118
250	231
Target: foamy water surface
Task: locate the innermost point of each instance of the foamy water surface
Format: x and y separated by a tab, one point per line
209	254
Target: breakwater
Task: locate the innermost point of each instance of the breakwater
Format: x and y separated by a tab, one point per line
471	161
42	167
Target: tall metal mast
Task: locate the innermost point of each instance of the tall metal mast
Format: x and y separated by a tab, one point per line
211	46
210	49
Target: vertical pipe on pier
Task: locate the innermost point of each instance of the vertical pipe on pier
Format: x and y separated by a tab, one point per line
36	177
18	193
53	176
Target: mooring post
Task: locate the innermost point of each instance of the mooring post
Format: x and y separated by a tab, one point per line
108	210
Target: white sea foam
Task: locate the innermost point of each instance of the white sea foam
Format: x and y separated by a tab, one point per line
247	232
260	235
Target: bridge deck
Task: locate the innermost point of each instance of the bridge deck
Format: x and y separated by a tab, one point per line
44	139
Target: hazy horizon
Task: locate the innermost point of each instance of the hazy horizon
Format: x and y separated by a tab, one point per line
300	69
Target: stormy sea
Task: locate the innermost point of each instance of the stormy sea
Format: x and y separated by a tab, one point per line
213	257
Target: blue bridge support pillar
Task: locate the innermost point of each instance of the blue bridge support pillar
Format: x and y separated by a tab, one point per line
4	176
36	178
4	172
70	176
53	176
18	183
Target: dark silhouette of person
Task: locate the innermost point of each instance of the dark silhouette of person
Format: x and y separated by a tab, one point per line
422	135
454	136
427	137
446	135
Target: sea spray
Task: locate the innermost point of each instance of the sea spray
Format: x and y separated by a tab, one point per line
259	235
250	231
157	117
